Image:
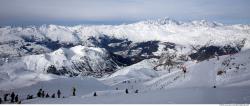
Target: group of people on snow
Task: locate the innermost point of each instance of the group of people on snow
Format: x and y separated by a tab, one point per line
12	97
40	94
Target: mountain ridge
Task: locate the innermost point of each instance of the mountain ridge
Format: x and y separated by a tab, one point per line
49	49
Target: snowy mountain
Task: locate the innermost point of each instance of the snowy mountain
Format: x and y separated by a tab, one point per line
147	55
196	86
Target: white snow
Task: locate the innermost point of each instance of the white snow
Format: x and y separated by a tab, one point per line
65	57
166	30
196	86
172	96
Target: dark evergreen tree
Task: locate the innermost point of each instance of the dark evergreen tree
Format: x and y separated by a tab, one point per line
1	100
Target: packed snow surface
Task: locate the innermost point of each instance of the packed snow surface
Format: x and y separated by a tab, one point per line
196	86
230	74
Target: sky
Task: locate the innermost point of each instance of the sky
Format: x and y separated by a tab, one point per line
73	12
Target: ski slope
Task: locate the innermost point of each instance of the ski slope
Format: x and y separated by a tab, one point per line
200	75
196	86
172	96
28	75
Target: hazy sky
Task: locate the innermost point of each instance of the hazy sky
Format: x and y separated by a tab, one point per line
70	12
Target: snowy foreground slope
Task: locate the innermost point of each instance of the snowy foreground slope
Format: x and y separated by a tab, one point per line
196	86
173	96
147	56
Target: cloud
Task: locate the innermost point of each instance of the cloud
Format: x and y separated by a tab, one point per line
45	11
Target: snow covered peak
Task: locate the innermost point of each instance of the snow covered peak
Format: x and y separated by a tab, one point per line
169	22
76	60
162	21
165	30
206	23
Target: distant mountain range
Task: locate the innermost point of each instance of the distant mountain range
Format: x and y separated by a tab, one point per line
100	50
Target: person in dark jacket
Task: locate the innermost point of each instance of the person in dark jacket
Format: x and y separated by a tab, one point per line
53	95
43	94
16	99
5	97
95	94
12	96
1	100
126	91
28	97
47	95
58	93
31	96
39	93
136	91
74	91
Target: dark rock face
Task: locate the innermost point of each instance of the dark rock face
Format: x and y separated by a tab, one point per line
53	70
126	52
52	45
209	51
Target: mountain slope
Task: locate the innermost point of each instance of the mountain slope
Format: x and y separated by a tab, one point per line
100	50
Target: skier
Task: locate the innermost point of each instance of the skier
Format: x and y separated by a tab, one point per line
136	91
116	88
6	97
31	96
58	93
47	95
74	91
95	94
43	94
184	69
53	95
39	93
126	91
28	97
16	98
12	97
